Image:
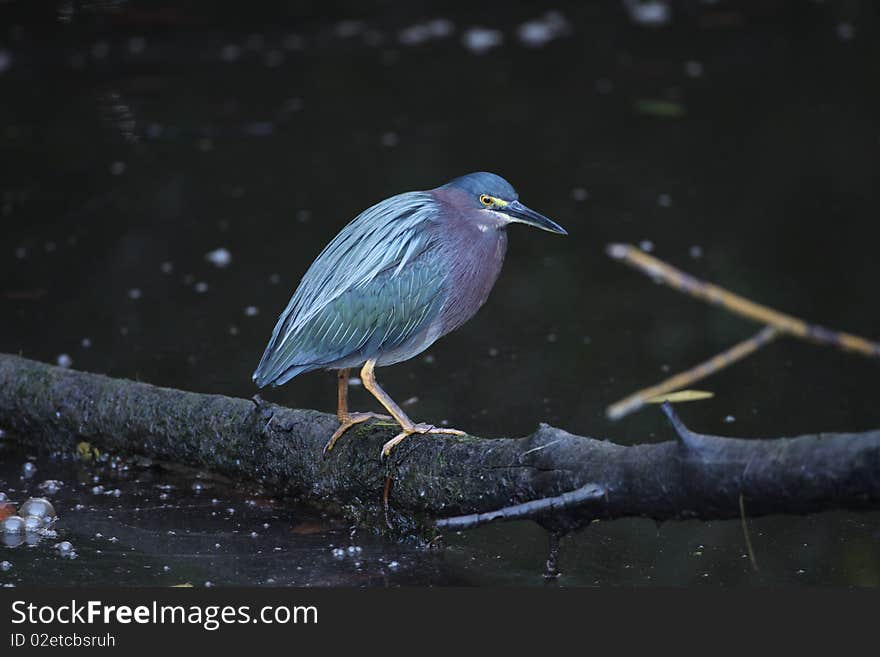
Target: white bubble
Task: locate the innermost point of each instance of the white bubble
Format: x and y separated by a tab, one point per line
440	27
694	69
136	45
348	29
414	35
100	49
845	31
230	52
64	360
652	13
134	293
480	40
251	311
219	257
274	58
580	194
536	33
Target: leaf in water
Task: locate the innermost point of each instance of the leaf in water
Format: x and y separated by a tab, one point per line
185	585
6	510
306	528
680	396
663	108
84	451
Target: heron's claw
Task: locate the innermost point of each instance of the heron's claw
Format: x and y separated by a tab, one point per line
347	423
418	428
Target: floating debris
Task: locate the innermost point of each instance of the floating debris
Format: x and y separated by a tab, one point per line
666	109
729	419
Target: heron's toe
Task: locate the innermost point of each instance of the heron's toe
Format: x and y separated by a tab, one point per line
421	428
347	423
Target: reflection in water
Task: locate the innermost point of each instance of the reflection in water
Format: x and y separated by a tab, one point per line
735	141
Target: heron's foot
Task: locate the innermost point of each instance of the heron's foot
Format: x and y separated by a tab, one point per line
347	422
417	428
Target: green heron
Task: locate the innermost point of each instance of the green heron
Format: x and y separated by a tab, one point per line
405	272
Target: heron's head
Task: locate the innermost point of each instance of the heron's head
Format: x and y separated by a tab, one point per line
495	196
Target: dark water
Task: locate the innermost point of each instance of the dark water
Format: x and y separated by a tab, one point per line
739	139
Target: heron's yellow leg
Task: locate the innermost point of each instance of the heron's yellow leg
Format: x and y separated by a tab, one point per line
342	395
347	420
368	377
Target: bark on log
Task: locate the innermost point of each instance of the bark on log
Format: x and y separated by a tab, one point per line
695	476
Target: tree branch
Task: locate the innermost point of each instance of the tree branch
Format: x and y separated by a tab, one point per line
694	476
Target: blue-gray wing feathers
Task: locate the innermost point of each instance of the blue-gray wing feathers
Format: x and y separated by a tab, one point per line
371	288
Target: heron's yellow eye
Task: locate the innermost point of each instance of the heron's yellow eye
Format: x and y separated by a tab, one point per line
486	200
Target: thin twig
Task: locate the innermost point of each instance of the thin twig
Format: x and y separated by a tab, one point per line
679	280
578	497
737	352
742	517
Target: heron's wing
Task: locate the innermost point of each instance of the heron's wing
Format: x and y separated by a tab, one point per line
379	316
344	296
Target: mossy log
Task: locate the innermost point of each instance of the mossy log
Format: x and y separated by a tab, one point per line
561	480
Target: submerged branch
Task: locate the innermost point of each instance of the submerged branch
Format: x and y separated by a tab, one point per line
694	476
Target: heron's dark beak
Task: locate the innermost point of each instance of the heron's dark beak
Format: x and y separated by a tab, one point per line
519	213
